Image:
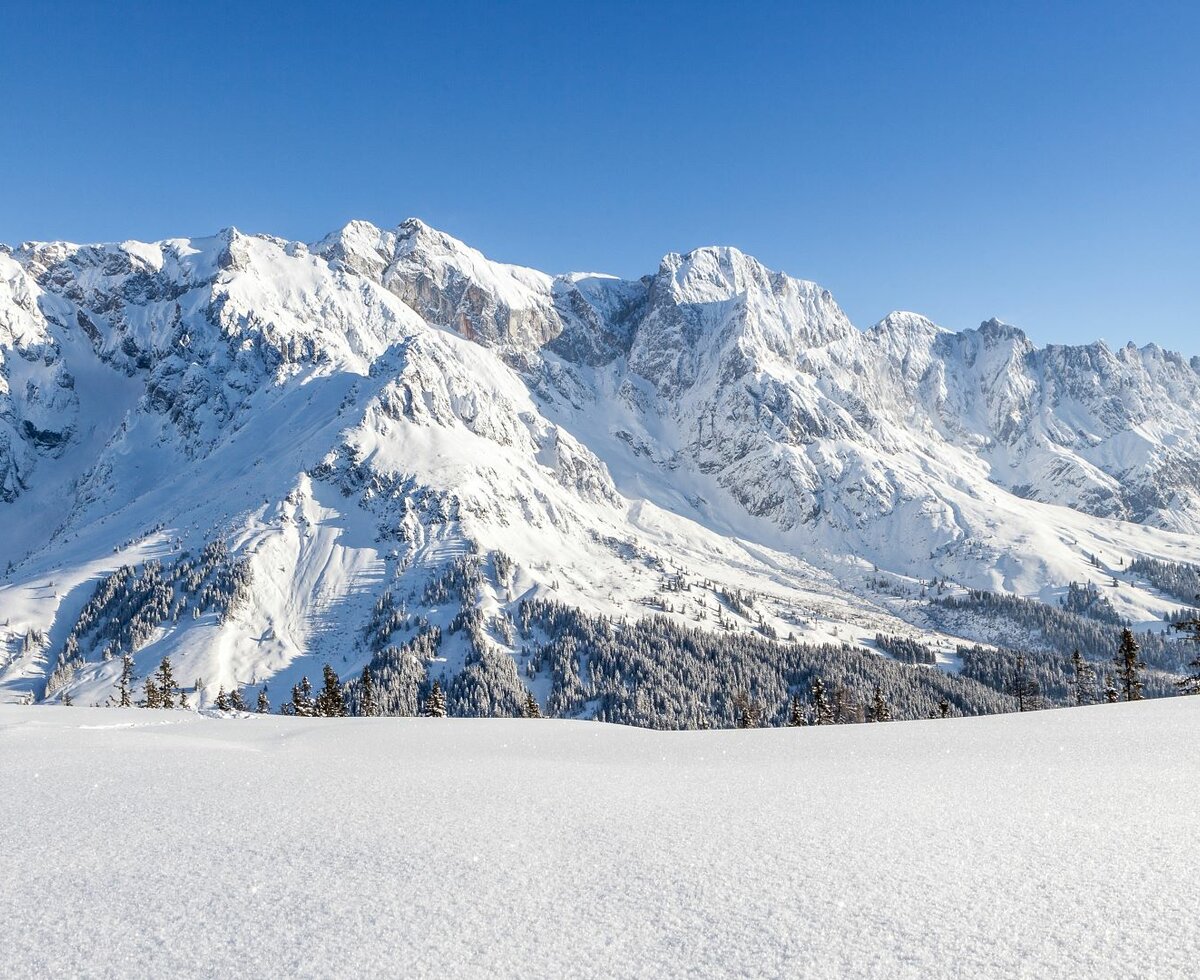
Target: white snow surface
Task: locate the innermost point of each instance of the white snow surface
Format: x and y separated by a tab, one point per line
152	843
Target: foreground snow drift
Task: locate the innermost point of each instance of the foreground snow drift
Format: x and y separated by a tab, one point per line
155	843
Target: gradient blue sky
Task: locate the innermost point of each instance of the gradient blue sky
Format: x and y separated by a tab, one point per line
1034	161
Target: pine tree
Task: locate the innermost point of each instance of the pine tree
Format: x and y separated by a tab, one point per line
1191	683
531	709
796	718
152	698
435	702
235	700
1083	682
331	702
1128	666
125	698
66	699
165	680
183	698
222	702
821	703
368	701
263	705
944	707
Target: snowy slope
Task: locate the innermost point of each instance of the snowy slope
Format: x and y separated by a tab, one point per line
349	418
1056	844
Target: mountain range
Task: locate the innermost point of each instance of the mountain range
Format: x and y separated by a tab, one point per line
242	452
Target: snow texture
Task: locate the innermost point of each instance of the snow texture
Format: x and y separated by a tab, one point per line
1055	844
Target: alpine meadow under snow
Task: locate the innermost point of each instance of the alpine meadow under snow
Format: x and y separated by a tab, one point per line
698	499
1053	844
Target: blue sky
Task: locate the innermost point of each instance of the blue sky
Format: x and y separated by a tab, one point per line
1036	162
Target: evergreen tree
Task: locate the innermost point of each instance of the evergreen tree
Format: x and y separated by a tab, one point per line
331	702
222	702
66	699
531	709
368	700
1083	681
125	684
263	705
1128	666
1191	683
435	702
824	712
944	707
1024	688
796	718
152	698
1111	694
183	698
746	712
302	704
165	679
878	709
235	700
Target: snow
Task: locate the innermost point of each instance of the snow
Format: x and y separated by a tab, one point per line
1060	843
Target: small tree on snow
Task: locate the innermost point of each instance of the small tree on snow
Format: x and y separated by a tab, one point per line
263	705
1083	680
331	703
151	698
165	679
222	702
368	701
236	702
796	716
821	705
1129	666
124	687
879	709
531	709
435	702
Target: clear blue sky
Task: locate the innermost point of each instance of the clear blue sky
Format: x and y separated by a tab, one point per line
1035	161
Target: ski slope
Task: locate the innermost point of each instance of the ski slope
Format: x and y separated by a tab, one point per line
142	843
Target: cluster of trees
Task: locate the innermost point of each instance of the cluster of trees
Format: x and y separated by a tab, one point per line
130	604
1049	629
905	649
1087	600
1179	580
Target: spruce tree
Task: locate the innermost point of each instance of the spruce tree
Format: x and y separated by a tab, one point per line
879	709
165	680
1083	681
944	707
796	718
235	700
331	702
152	699
531	709
222	702
1129	665
435	702
368	701
125	698
1111	694
263	705
1024	688
824	712
302	704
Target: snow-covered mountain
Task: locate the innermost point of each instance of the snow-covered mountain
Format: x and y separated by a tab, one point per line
290	445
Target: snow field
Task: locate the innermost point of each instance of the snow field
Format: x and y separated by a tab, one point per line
139	843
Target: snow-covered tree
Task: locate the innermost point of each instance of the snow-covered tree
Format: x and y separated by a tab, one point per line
435	702
1129	666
